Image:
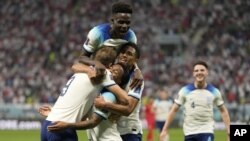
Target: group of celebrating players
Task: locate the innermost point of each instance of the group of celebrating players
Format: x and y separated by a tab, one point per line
103	95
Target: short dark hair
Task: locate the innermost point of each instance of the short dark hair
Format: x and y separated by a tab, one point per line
200	62
106	55
129	44
121	7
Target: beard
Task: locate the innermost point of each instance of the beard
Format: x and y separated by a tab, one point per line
201	84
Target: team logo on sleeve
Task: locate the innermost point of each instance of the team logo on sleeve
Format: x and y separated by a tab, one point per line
87	41
137	90
111	76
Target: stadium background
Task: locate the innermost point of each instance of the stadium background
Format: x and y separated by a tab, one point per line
40	39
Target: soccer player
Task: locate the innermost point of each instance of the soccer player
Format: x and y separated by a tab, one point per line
129	124
78	95
106	129
198	100
112	34
162	106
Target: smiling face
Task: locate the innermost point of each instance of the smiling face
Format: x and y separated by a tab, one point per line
200	74
127	57
120	24
117	72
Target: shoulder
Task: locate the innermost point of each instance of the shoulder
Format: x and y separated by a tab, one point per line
211	88
130	36
102	27
131	33
187	88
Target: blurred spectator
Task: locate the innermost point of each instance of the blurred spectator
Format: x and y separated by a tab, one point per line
161	107
150	117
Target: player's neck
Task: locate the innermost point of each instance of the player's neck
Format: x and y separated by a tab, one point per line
114	35
200	84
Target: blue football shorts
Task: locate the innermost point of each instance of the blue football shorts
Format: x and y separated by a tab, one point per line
64	135
200	137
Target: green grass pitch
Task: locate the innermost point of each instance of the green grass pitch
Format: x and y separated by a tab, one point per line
34	135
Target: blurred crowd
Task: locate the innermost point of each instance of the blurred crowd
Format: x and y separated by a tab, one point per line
41	39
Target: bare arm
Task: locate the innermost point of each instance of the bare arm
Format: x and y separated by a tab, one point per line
121	109
94	74
82	125
168	121
85	60
85	53
225	117
80	68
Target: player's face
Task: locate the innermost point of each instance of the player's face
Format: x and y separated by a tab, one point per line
117	72
200	73
121	24
127	56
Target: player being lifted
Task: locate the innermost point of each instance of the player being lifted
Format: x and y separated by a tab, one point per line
111	34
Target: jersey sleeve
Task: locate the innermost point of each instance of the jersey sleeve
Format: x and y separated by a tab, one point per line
108	79
93	40
218	99
136	92
108	97
132	37
181	97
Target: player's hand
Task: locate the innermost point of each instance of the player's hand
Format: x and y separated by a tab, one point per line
228	137
44	110
99	102
163	135
137	79
100	69
57	126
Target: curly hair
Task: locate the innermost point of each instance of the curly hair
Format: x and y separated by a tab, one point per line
121	7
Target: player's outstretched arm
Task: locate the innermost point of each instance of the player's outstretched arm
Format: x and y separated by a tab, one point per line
82	125
225	117
168	121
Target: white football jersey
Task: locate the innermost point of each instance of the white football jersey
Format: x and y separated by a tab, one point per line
106	130
162	108
198	108
77	97
132	124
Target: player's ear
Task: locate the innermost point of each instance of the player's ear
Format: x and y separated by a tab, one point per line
207	73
